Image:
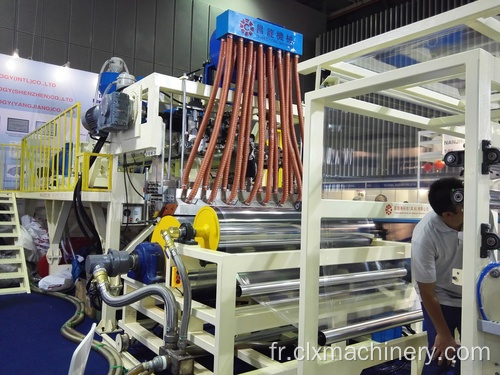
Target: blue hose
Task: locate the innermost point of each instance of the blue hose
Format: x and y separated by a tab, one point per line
486	270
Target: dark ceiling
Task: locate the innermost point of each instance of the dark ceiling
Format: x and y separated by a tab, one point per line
341	12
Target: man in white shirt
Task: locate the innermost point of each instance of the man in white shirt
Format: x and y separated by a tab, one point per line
436	250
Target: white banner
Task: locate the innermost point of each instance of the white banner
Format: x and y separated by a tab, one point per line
32	93
451	143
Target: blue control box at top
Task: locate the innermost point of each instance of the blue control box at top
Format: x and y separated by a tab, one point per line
257	30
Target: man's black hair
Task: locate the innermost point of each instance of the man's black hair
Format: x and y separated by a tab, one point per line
440	194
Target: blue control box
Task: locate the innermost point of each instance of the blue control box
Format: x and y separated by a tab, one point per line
257	30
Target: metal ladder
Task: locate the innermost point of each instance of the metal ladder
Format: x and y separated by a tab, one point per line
12	256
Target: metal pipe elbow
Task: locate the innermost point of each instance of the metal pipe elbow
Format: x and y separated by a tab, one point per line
171	309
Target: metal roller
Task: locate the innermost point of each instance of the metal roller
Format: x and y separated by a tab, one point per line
237	229
330	336
291	299
290	285
494	199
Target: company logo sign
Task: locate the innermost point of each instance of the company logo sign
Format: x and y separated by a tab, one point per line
247	27
388	209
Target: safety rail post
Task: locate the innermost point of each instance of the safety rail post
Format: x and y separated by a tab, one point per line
48	159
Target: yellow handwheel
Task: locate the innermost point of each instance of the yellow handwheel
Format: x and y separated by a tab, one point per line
165	223
206	224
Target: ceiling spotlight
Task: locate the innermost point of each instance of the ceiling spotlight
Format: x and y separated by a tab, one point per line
16	53
67	65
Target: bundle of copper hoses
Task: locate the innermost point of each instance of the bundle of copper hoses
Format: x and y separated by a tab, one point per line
251	64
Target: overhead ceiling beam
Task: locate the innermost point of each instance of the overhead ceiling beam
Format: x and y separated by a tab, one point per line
487	26
351	8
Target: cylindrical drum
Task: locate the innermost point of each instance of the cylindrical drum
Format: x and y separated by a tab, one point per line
246	229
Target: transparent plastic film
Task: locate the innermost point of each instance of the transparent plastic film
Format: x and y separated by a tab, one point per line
348	295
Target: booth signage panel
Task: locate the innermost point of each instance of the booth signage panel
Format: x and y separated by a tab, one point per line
32	93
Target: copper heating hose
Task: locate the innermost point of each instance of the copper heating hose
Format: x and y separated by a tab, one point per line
293	145
298	97
271	89
225	170
298	175
206	178
296	163
294	142
293	136
218	120
261	100
206	117
225	178
247	95
276	161
276	168
248	126
289	120
241	70
284	129
228	148
294	154
207	160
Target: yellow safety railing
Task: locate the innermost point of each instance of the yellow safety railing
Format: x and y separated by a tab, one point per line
48	154
10	167
51	159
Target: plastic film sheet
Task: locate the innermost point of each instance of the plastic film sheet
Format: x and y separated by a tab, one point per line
346	304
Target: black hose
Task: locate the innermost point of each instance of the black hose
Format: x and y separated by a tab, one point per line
78	215
126	211
97	149
82	218
87	220
128	175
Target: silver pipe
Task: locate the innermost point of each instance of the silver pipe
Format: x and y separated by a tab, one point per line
256	214
241	246
169	161
170	328
184	114
287	232
161	163
333	335
326	297
265	334
289	285
186	285
146	195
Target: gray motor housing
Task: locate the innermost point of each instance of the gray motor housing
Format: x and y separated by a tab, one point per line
112	115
